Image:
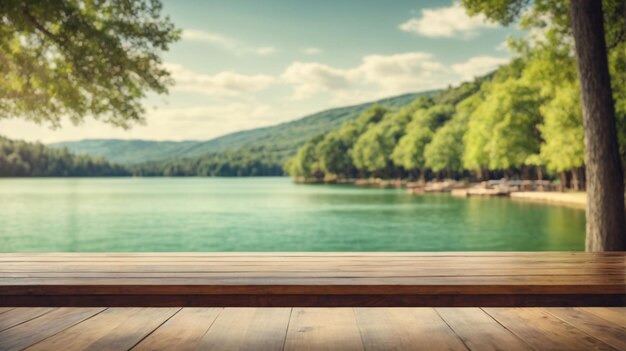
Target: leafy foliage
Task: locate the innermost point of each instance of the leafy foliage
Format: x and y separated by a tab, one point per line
77	58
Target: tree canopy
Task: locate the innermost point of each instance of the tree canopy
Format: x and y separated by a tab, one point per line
525	116
73	59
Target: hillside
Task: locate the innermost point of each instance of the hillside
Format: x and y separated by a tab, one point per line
127	151
277	142
386	143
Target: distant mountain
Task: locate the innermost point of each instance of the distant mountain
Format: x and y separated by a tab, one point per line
128	151
279	141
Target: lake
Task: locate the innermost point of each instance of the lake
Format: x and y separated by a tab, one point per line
267	214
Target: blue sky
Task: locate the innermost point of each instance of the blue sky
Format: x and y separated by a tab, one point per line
244	64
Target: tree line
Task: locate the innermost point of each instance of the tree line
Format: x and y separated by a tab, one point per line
248	162
523	121
23	159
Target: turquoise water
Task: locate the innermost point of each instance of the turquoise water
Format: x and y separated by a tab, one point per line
267	214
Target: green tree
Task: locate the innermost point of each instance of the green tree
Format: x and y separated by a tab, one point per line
445	151
586	20
335	149
409	152
373	148
305	163
78	58
504	127
563	148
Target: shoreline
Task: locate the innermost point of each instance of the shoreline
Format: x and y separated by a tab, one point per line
571	199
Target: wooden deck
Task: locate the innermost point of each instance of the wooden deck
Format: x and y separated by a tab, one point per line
348	329
313	280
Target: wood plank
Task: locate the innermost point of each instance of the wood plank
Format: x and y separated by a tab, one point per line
316	270
543	331
614	315
320	254
300	300
362	328
113	329
323	329
42	327
5	309
181	332
302	259
247	329
479	331
17	316
405	329
307	279
601	329
602	284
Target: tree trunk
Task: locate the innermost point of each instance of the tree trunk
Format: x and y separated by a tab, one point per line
575	181
606	222
580	177
540	178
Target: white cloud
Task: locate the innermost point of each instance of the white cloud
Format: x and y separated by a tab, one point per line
220	84
376	76
446	22
312	51
163	123
403	72
312	78
205	122
266	50
211	113
234	106
226	43
478	66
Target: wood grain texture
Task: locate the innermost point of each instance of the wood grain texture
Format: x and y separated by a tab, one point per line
261	329
113	329
543	331
318	329
405	329
42	327
17	316
612	315
181	332
479	331
612	334
5	309
313	279
323	329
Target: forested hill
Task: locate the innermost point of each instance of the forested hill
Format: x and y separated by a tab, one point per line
22	159
523	121
274	143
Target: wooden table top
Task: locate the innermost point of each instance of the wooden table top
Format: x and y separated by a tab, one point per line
313	279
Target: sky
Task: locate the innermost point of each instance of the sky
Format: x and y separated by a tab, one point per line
244	64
